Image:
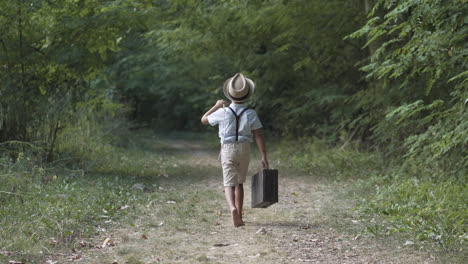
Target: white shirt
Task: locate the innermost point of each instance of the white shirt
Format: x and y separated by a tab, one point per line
226	120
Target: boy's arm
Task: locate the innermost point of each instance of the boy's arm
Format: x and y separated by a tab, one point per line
258	134
218	105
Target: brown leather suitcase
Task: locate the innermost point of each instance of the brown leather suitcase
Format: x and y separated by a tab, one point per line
264	188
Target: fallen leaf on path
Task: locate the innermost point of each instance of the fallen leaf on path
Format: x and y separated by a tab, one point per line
261	231
144	236
107	242
351	256
74	257
123	207
104	244
221	245
85	244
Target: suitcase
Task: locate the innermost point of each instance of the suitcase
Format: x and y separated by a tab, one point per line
264	188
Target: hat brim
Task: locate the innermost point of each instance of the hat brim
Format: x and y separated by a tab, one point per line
243	99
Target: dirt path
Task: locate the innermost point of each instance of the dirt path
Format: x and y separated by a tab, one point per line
187	223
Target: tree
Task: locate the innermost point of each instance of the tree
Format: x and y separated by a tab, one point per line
294	50
421	59
49	53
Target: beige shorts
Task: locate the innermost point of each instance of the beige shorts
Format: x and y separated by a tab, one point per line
235	159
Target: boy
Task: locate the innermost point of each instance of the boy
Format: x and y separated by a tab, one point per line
238	125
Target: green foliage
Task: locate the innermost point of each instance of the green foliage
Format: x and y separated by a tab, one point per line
429	210
50	206
424	39
46	209
96	126
43	208
417	65
49	53
417	61
74	71
438	144
319	159
173	70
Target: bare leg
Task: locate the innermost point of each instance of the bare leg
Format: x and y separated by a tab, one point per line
229	193
239	199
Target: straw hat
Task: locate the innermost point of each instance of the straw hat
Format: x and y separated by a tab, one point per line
238	88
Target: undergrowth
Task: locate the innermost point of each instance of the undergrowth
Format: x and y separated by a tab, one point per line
102	172
91	182
430	207
317	158
68	208
431	210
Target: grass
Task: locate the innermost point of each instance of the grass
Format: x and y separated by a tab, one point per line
133	260
431	211
314	157
64	211
45	208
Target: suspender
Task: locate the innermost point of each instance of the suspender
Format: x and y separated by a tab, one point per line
237	120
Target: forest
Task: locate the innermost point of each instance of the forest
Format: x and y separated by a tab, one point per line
370	91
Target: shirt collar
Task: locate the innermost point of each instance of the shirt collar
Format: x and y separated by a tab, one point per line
233	105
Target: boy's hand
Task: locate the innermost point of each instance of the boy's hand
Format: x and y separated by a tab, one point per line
220	103
264	163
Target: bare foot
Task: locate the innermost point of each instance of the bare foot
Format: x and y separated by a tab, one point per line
236	220
240	216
